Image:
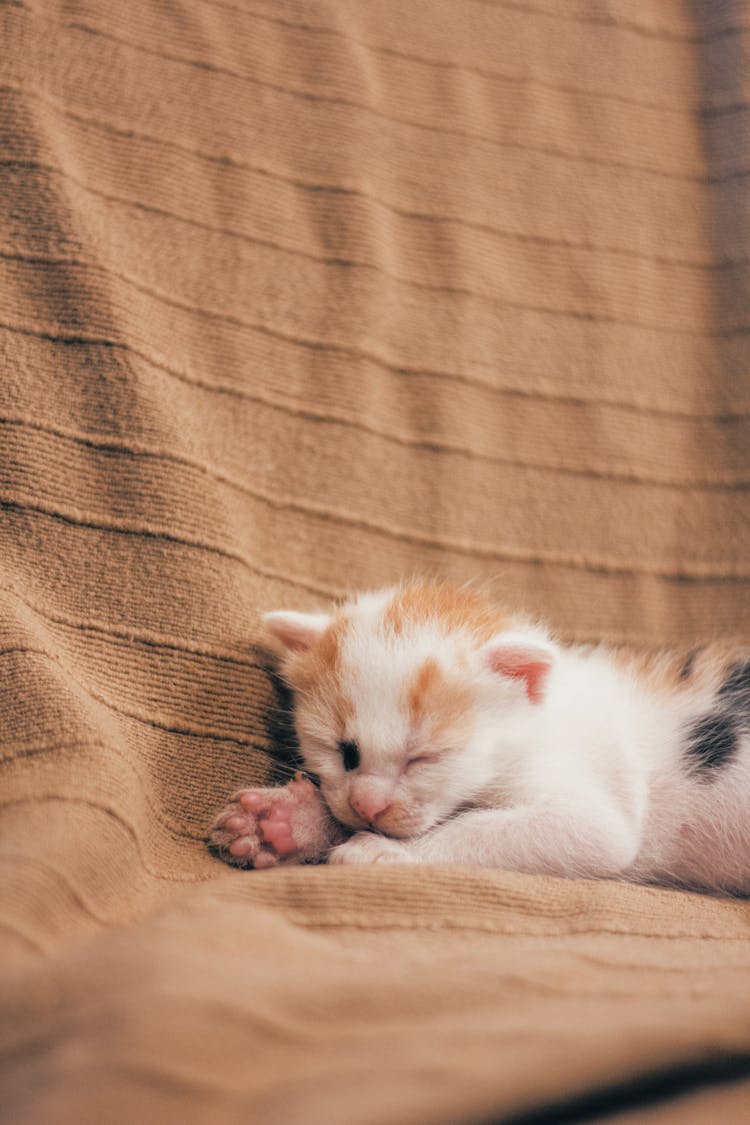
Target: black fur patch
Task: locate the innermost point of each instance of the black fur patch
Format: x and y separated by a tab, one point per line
735	692
712	741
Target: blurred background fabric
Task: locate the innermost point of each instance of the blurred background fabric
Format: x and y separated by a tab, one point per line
304	296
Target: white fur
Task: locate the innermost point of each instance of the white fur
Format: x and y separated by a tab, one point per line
589	780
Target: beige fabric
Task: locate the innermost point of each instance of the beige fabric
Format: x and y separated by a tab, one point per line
298	297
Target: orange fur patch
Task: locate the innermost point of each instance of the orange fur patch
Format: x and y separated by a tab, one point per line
445	703
318	670
327	652
422	688
449	606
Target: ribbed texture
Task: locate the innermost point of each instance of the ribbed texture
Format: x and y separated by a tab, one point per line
298	297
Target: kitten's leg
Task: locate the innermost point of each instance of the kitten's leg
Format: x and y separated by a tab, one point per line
371	847
564	835
266	827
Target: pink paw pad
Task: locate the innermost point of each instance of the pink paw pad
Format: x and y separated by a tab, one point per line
243	846
263	826
276	829
251	800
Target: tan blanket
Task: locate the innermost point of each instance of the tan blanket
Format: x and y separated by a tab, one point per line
299	296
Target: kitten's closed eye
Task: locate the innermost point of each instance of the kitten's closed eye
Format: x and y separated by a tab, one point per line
349	754
420	760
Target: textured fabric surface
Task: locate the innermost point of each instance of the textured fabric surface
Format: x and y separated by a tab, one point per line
297	297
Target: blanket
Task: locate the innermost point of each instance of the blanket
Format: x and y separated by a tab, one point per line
299	297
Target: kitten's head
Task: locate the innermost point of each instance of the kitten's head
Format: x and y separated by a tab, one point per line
401	697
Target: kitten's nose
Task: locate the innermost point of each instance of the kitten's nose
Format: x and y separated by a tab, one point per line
369	805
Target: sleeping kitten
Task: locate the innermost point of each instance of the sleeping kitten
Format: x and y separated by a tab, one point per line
443	731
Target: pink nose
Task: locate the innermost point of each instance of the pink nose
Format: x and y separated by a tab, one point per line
369	805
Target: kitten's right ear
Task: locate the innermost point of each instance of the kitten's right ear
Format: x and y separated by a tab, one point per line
298	632
522	656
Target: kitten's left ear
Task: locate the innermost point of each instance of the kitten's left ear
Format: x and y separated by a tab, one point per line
298	632
522	656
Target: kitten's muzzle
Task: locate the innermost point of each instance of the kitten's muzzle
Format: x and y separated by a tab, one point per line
369	806
390	819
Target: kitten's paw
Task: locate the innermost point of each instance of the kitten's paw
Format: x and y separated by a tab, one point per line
369	847
266	827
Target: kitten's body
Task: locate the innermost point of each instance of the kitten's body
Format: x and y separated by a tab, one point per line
443	731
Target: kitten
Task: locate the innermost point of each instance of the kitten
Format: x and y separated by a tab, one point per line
442	731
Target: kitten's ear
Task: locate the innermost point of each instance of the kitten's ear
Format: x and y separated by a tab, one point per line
521	656
297	631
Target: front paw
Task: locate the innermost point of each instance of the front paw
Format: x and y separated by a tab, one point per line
266	827
369	847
